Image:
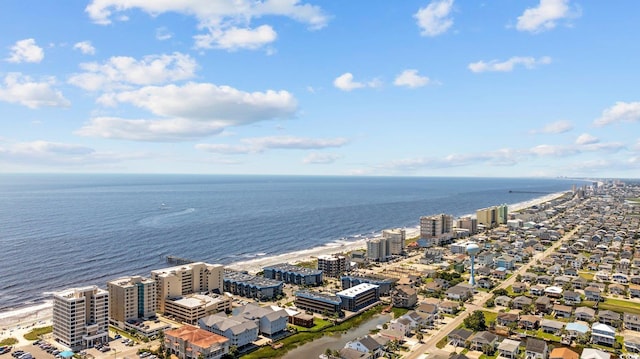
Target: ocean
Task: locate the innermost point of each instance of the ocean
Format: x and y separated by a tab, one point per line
69	230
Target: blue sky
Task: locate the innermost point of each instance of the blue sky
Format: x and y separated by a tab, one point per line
376	87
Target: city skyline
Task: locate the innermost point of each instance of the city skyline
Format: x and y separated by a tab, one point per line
416	88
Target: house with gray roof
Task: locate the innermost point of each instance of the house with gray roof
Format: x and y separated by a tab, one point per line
270	322
631	321
238	330
609	317
585	313
367	344
502	300
521	302
570	297
509	348
593	293
459	336
483	338
536	349
551	326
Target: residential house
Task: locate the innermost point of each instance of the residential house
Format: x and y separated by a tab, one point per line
529	322
576	329
563	353
348	353
632	343
530	277
593	293
631	321
485	283
521	302
519	287
617	289
483	338
570	297
428	311
634	290
562	311
609	317
402	325
536	349
504	319
238	330
571	272
270	321
551	326
502	300
537	290
603	334
579	283
458	337
449	307
505	261
590	353
404	296
561	280
585	313
461	291
367	344
509	348
545	279
543	305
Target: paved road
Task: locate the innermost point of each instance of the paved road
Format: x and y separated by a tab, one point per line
478	301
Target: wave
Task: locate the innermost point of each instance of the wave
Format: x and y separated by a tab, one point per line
158	221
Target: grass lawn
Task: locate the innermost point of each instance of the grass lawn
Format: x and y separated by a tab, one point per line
442	343
620	306
9	341
318	324
547	336
36	332
510	292
489	316
398	312
586	275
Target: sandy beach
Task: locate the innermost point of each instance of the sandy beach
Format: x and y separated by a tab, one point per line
18	322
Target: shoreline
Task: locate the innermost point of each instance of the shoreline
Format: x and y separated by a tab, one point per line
17	320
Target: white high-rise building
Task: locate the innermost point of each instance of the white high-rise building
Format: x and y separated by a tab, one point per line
377	249
198	277
81	317
396	239
131	298
437	230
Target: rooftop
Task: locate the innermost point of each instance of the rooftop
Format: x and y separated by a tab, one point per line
356	290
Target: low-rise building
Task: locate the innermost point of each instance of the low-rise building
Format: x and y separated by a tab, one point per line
190	308
315	302
404	296
384	284
270	321
240	331
359	297
191	342
509	348
603	334
250	286
631	321
293	274
536	349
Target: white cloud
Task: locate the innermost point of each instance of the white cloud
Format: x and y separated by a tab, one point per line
121	71
586	139
227	22
508	65
26	51
234	38
345	82
163	130
555	127
85	47
23	90
620	112
54	148
410	78
321	158
545	15
162	34
434	19
553	151
189	111
261	144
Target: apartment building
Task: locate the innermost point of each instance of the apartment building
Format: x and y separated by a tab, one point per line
332	265
81	317
436	230
131	298
396	239
198	277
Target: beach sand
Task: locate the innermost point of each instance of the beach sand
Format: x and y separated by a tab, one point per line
18	322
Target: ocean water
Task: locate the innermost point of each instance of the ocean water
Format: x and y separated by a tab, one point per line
60	231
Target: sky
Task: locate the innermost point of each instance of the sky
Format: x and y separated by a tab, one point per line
496	88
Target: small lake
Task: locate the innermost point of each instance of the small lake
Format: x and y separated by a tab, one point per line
336	341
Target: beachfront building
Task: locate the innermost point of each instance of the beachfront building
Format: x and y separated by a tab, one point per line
377	249
198	277
359	297
81	317
190	308
131	298
492	216
251	286
396	239
469	223
188	342
384	284
436	230
293	274
332	265
326	304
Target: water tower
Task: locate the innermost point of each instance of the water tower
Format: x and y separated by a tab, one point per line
472	250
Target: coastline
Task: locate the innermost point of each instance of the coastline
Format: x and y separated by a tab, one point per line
18	321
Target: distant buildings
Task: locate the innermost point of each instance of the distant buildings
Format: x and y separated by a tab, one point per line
492	216
132	298
436	230
468	223
198	277
332	265
293	274
392	243
81	317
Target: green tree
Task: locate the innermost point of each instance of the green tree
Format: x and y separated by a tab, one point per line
519	278
419	336
500	291
476	321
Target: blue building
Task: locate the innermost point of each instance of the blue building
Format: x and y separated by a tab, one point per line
251	286
384	284
318	302
359	296
292	274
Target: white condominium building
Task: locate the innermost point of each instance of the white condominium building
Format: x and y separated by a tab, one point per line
395	240
81	317
198	277
131	298
437	229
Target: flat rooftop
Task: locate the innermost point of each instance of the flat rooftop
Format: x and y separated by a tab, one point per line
259	282
286	267
356	290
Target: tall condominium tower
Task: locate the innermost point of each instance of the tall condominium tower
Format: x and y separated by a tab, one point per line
81	317
131	298
198	277
437	230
